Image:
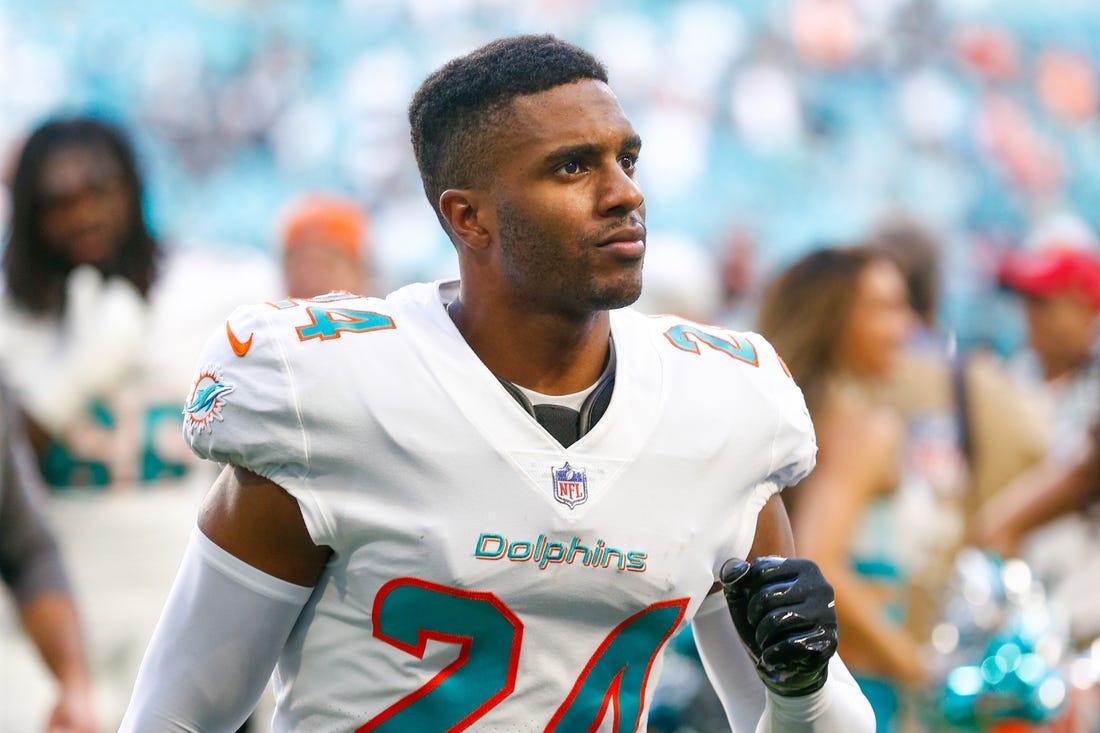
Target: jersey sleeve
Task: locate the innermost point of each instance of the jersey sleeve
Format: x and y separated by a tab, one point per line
243	405
794	445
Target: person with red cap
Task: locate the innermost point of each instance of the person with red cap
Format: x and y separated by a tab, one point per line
1058	276
1059	279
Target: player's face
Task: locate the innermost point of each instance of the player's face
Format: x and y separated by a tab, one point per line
569	218
84	204
878	322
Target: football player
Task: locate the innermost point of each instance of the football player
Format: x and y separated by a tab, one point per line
488	504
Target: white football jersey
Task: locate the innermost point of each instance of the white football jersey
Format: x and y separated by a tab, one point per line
126	429
483	577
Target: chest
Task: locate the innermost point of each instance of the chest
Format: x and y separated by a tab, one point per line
486	500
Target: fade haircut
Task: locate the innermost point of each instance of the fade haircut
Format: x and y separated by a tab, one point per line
34	275
454	112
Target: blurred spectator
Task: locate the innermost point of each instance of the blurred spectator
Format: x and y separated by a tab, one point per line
840	318
1047	516
326	247
970	428
737	272
915	249
78	264
98	328
99	331
1038	498
1058	276
31	566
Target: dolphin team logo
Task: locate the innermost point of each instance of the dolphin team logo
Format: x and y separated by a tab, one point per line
204	404
570	485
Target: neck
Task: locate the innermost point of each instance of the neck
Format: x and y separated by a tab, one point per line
551	353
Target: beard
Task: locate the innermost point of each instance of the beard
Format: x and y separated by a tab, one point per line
548	267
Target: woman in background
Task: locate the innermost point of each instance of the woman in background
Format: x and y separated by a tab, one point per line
840	317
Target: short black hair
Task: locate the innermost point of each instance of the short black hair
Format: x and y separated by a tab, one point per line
33	275
457	105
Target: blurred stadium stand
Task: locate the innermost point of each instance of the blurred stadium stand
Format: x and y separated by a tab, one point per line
801	120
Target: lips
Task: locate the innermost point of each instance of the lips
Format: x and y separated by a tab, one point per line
628	242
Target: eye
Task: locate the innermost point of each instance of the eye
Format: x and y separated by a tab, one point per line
629	162
570	168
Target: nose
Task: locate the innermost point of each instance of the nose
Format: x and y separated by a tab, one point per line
621	194
84	209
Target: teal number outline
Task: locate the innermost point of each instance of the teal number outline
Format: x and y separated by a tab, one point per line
617	660
322	326
398	608
687	338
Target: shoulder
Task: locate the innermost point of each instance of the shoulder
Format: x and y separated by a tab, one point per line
274	344
742	378
676	337
739	366
276	375
323	318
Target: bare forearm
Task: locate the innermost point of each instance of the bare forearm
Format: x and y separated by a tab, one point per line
1039	496
52	624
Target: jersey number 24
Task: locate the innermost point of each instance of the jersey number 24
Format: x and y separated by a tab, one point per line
409	612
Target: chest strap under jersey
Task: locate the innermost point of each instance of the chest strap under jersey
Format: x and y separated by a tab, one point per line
566	424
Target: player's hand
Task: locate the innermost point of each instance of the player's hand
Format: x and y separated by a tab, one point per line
784	610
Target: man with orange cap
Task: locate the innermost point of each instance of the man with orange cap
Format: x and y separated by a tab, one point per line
324	247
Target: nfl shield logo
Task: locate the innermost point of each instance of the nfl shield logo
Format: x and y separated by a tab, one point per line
570	485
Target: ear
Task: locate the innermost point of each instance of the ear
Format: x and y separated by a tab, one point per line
461	211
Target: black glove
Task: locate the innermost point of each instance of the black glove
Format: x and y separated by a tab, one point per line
783	609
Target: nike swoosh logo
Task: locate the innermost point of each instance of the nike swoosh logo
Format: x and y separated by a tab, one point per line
240	348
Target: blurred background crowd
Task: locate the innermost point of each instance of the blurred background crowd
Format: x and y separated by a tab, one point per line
903	195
